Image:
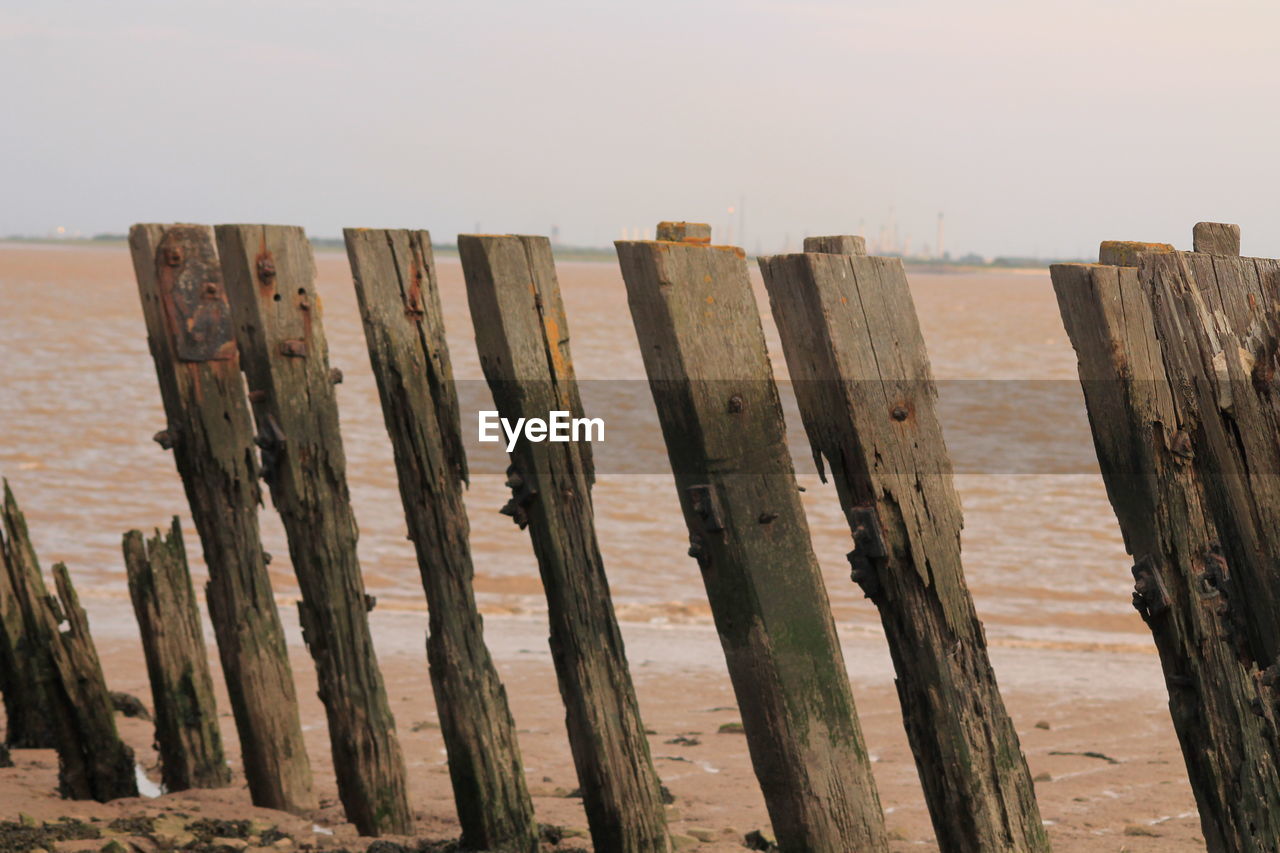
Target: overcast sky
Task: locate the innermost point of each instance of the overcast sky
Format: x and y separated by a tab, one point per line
1036	127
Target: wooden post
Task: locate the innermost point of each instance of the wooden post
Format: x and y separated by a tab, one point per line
1217	701
210	429
28	715
865	389
523	338
1219	334
93	763
704	352
168	615
395	280
270	278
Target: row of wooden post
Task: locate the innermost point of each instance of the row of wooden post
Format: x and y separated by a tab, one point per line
1178	360
236	334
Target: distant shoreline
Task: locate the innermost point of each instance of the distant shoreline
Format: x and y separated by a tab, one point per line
579	254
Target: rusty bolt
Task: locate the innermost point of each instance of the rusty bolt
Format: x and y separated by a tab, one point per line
370	602
164	438
266	558
335	376
294	348
257	396
172	256
266	270
899	413
211	288
735	404
766	517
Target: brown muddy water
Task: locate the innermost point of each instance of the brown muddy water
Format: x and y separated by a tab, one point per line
1043	556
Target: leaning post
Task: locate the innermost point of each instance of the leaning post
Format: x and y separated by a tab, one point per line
28	716
523	338
704	352
862	379
270	278
186	714
210	430
1146	436
395	281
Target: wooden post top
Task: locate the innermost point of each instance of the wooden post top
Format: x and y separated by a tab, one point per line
840	244
684	232
1216	238
1125	253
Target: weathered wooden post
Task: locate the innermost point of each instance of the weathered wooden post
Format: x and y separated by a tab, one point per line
704	352
1183	583
270	278
865	389
93	763
168	615
523	338
395	280
192	339
27	709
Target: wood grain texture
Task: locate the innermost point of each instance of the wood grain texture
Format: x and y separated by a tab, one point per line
1183	585
1216	238
708	369
395	281
211	432
186	714
522	335
270	278
866	394
93	763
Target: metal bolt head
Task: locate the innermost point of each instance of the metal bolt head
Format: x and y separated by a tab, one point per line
266	270
172	256
899	413
735	404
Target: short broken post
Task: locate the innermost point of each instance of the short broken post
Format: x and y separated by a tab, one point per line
866	394
705	355
93	763
395	280
1185	586
523	338
186	714
270	278
210	430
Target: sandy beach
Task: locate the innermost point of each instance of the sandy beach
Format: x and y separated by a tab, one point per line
1042	556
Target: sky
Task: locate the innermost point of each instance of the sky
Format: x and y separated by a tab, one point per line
1037	128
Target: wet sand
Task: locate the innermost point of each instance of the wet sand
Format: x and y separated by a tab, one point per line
1064	702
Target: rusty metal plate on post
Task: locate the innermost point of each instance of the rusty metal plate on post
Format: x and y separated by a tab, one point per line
195	301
